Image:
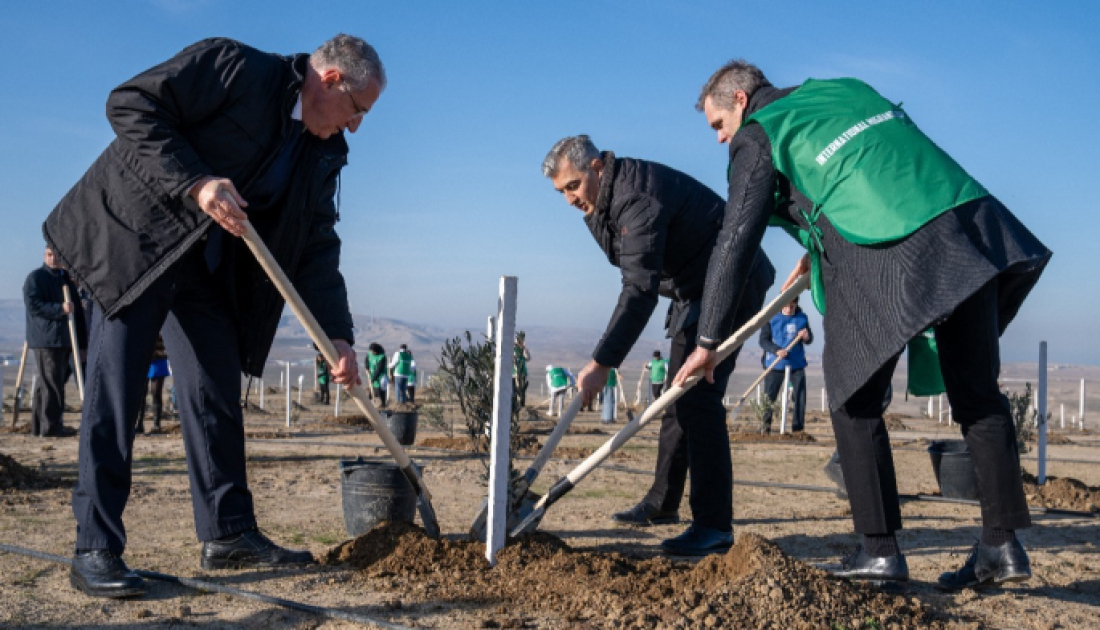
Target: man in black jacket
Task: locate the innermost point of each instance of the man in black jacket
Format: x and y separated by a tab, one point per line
48	335
148	231
659	226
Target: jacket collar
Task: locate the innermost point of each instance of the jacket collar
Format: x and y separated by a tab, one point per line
607	180
336	144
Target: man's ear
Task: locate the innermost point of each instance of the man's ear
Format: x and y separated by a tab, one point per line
331	76
596	165
741	98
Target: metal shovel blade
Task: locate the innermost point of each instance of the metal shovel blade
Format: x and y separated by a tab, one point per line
524	506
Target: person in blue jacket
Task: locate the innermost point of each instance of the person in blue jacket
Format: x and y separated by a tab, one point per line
788	324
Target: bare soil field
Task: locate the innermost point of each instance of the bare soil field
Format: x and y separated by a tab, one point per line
580	571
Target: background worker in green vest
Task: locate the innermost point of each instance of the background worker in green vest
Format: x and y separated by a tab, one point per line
400	369
609	402
558	380
520	376
322	379
658	374
900	239
410	387
376	373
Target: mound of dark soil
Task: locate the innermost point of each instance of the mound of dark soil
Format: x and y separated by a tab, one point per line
15	477
586	431
449	443
1054	438
351	421
755	585
253	408
753	436
23	429
266	435
1062	493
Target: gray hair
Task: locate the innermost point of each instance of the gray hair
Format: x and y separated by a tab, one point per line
356	60
579	150
735	75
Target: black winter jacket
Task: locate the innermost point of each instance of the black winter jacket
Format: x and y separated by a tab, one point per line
217	108
47	321
658	226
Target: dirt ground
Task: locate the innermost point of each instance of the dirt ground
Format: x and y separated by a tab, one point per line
581	572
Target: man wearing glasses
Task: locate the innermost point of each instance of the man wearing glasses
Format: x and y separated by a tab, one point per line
659	226
148	231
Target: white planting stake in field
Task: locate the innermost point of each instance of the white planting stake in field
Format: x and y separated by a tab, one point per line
1041	418
301	378
281	386
17	401
262	392
822	400
287	394
2	394
939	416
336	412
1062	415
1081	409
786	398
490	329
931	409
499	460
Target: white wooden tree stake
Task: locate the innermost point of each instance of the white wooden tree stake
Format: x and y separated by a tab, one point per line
1041	409
287	394
783	393
262	392
301	378
1081	409
499	463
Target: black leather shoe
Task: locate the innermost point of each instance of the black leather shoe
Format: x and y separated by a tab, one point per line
100	573
698	541
644	515
249	549
988	566
859	565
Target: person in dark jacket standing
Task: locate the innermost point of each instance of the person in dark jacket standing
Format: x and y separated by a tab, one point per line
784	328
148	231
659	226
48	336
900	240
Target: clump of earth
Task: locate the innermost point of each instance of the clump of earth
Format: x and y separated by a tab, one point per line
352	421
754	585
1062	493
15	477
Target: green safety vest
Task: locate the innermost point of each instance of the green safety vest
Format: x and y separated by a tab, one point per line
373	362
925	378
558	379
520	364
612	378
657	370
412	374
860	160
322	373
404	363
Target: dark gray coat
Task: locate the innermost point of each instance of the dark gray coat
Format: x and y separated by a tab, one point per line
217	108
658	226
47	321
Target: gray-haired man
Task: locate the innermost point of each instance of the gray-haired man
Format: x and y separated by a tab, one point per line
148	232
659	226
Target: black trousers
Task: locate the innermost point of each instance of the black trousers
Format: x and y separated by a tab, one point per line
656	389
156	393
202	341
694	437
969	346
48	398
773	382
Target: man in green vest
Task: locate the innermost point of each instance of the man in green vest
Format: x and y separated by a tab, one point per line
658	374
558	380
401	368
900	239
609	400
322	379
376	373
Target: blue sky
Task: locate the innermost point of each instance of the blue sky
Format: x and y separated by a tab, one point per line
443	192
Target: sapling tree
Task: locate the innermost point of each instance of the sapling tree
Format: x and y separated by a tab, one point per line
1024	418
467	371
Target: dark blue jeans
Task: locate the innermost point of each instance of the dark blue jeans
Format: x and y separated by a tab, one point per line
201	340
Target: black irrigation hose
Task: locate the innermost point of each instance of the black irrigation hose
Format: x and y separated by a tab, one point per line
202	585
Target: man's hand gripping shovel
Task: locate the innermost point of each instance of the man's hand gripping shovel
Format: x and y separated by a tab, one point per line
568	482
357	392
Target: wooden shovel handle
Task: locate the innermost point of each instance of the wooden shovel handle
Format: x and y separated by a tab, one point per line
76	346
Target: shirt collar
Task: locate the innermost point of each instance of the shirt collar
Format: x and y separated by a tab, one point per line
296	113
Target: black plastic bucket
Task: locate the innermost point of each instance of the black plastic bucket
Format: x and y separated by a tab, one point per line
402	424
954	469
372	492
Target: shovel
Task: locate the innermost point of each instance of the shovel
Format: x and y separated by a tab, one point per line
564	485
357	392
741	400
76	346
19	387
519	491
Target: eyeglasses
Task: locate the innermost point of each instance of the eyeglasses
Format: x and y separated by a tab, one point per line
359	111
